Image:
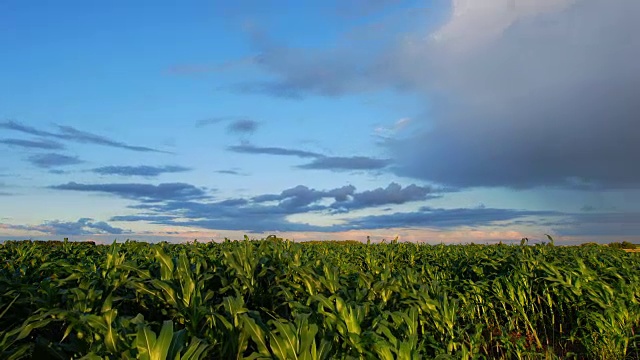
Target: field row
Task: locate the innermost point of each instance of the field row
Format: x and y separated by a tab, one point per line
275	299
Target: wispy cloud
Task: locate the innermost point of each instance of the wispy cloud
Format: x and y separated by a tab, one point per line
142	170
72	134
231	172
442	218
141	192
235	124
148	218
243	126
33	144
251	149
216	120
347	163
16	126
52	160
320	162
84	226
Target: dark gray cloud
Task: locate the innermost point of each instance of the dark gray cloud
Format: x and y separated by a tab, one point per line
84	226
141	192
251	149
72	134
347	163
565	114
52	160
243	126
142	170
33	144
598	224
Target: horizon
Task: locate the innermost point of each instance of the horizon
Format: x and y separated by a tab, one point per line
445	121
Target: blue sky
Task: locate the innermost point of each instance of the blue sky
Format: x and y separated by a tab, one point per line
436	121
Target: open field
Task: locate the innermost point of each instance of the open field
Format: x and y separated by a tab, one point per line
275	299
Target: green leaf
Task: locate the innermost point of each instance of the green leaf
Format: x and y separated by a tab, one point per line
145	342
163	342
166	264
195	351
177	343
256	332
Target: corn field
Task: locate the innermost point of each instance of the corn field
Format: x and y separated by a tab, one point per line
276	299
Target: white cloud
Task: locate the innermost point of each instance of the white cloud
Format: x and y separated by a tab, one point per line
475	22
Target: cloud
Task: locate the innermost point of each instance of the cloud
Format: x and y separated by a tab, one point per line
346	163
16	126
303	72
270	212
351	65
390	132
620	224
251	149
33	144
274	218
149	218
51	160
321	162
84	226
243	126
141	192
442	218
522	94
474	23
526	109
72	134
143	170
392	194
235	124
231	172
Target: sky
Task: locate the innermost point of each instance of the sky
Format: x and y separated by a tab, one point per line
445	121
